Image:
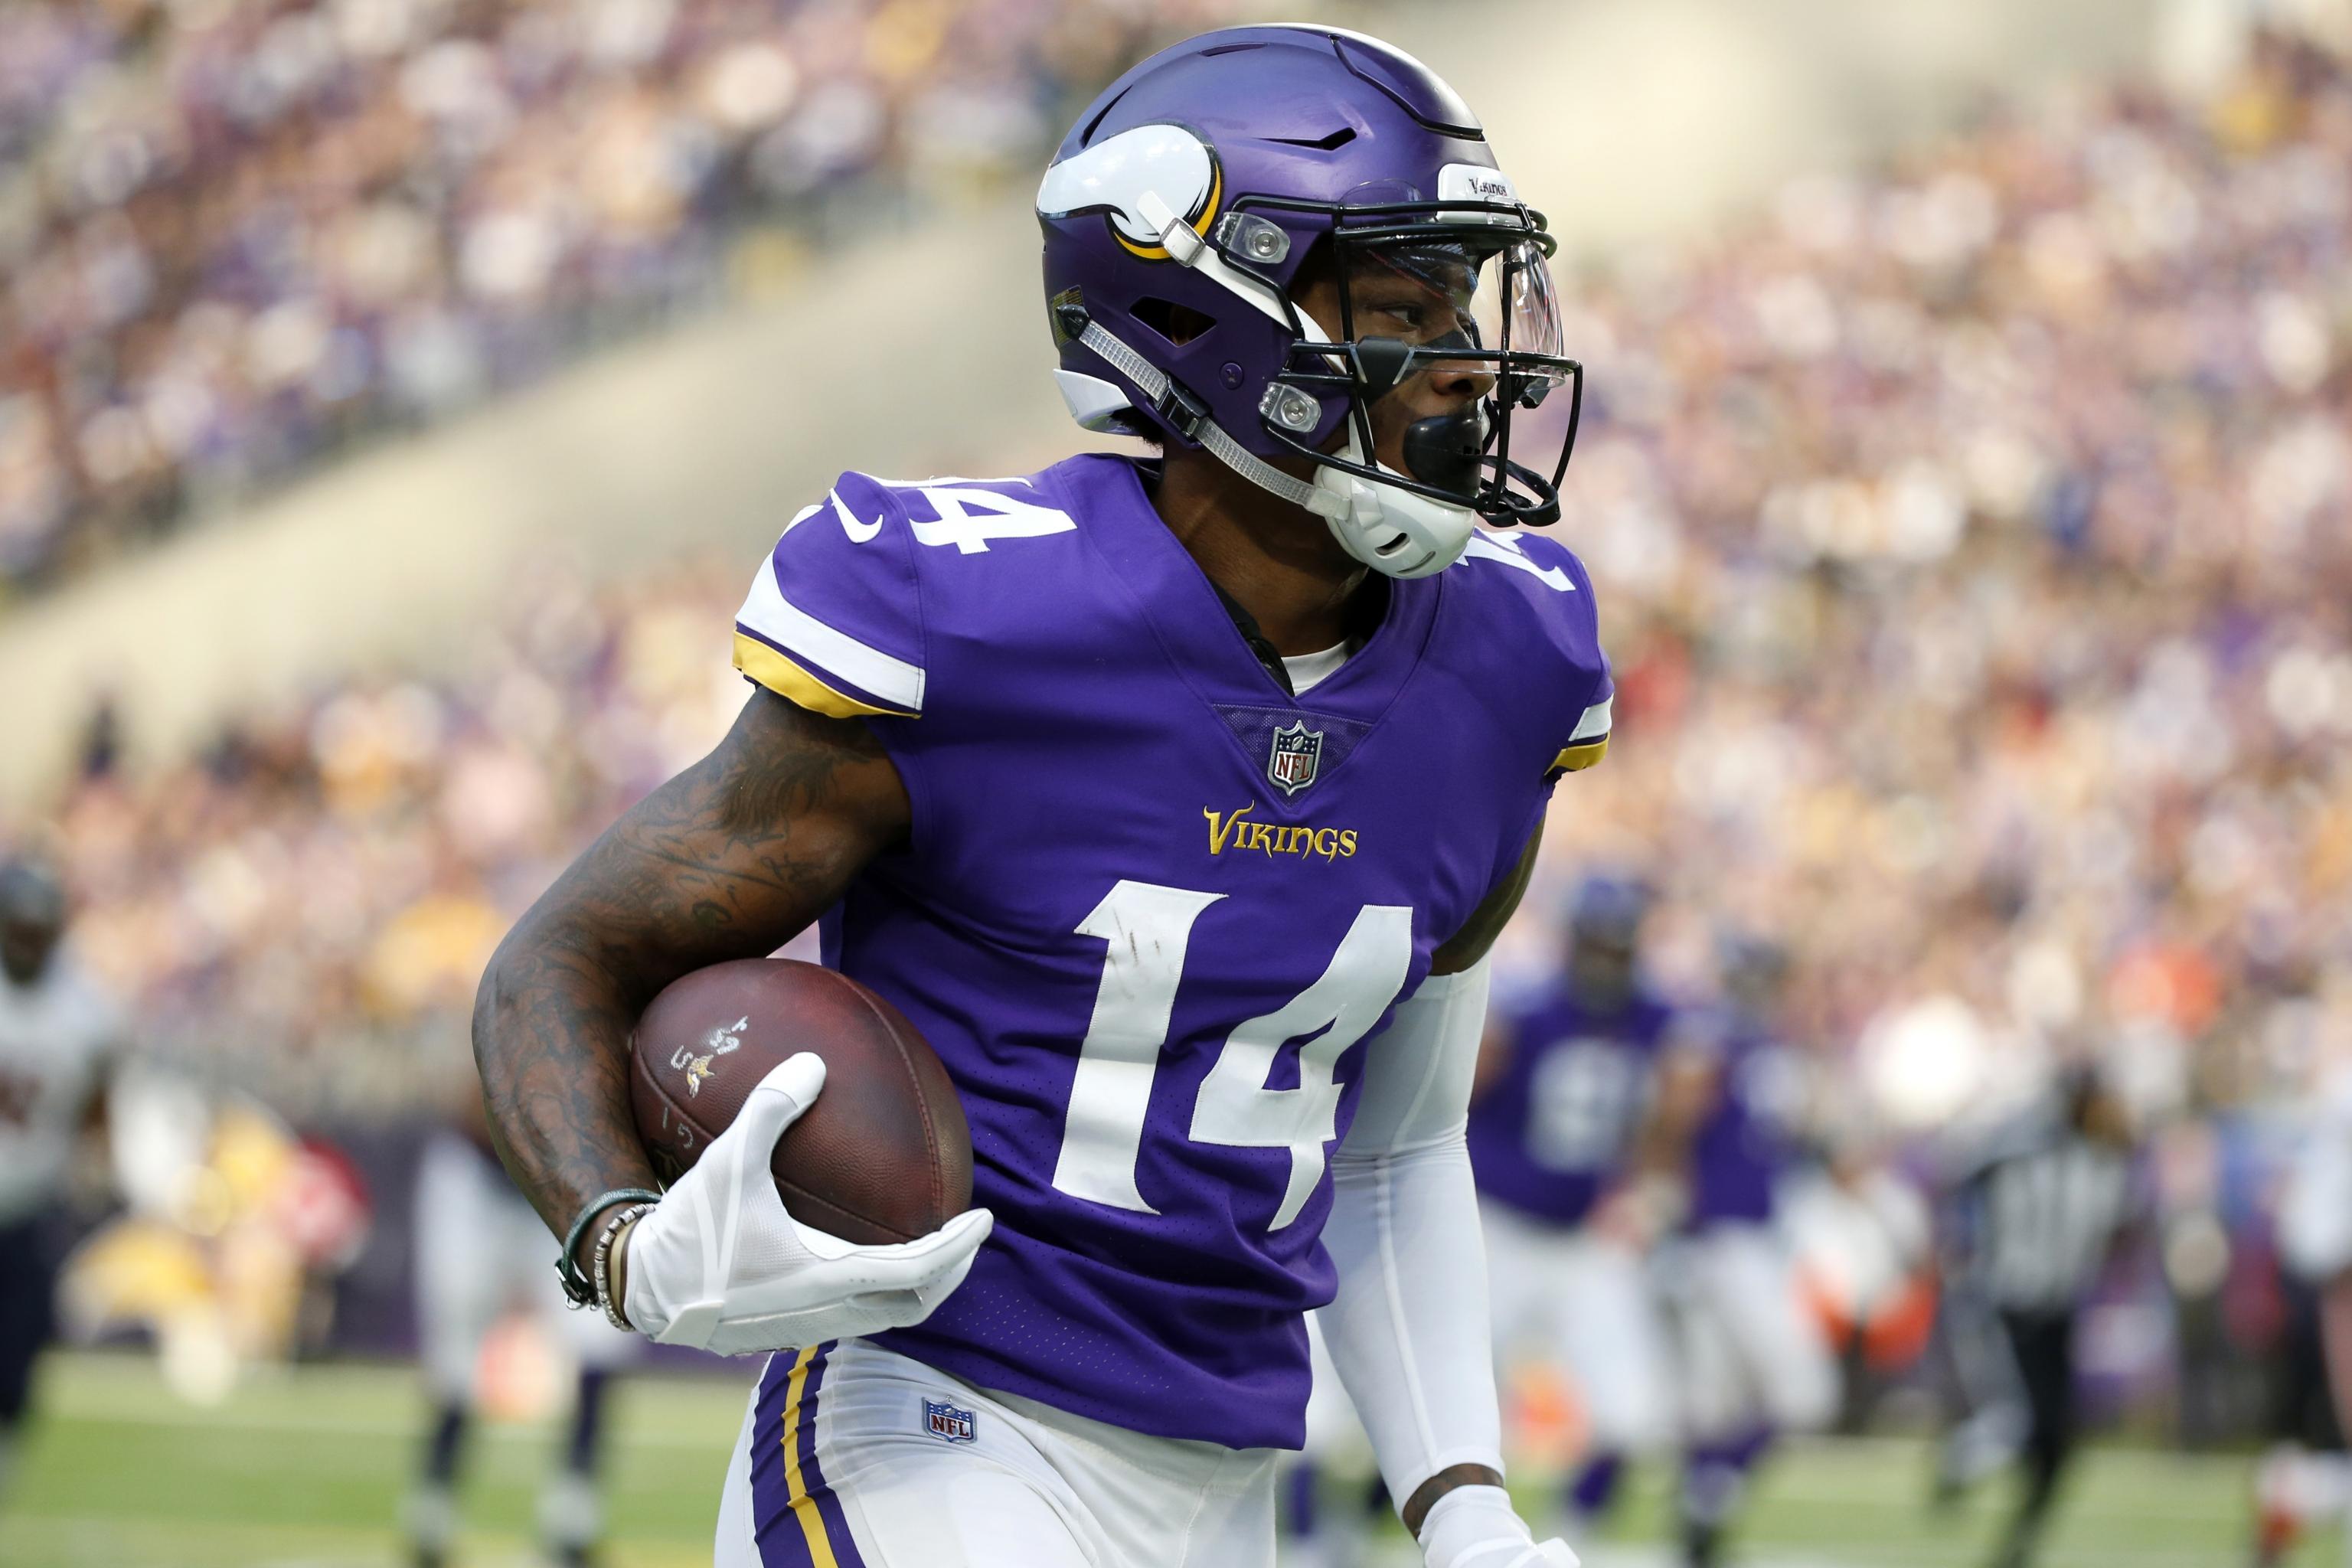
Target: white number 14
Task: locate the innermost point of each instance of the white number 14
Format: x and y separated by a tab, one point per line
1146	929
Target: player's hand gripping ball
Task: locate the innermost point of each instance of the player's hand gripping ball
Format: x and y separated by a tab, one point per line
792	1217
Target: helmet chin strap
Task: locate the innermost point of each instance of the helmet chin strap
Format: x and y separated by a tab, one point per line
1391	529
1155	385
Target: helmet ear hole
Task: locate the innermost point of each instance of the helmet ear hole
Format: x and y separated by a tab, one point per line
1179	324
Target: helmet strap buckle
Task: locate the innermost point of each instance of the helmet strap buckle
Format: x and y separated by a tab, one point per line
1182	408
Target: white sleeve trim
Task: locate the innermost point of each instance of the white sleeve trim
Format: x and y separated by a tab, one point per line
772	615
1594	724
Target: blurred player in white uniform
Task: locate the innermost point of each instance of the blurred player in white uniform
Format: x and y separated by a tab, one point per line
1753	1364
58	1036
2306	1476
480	1256
1569	1212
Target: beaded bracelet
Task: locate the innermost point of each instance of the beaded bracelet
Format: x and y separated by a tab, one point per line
600	1266
578	1288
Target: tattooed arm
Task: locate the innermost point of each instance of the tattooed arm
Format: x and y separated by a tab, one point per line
729	859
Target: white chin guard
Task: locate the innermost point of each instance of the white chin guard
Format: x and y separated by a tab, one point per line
1392	530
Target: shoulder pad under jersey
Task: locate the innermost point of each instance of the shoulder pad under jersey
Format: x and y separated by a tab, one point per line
1535	598
834	620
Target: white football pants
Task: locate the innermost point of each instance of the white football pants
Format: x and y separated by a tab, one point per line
1585	1304
1750	1352
480	1254
852	1456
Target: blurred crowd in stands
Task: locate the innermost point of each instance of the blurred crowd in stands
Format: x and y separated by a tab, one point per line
237	235
303	912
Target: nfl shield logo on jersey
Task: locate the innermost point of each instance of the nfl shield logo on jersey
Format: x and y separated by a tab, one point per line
1296	752
947	1423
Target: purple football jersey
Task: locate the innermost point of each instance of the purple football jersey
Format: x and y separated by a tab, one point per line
1550	1132
1151	904
1737	1152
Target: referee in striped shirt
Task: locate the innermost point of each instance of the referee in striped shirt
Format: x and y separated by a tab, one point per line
2031	1222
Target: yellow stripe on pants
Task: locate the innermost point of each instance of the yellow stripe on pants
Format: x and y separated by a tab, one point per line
795	1490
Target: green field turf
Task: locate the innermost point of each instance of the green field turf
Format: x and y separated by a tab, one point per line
305	1469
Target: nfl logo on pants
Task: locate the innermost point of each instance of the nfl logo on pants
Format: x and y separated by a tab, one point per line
947	1423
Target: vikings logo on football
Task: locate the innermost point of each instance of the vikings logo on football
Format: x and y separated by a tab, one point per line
723	1041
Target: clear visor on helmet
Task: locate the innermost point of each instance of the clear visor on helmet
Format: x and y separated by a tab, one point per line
1464	293
1456	340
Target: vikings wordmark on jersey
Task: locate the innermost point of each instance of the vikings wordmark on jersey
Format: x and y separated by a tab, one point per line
1154	1025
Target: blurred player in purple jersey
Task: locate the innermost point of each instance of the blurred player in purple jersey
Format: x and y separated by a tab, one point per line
1177	802
1570	1201
1752	1363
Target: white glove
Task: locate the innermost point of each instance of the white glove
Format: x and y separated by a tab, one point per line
718	1265
1475	1527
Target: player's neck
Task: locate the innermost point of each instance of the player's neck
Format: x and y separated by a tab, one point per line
1277	560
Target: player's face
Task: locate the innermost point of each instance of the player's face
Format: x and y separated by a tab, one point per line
26	943
1754	987
1602	971
1420	299
2105	1118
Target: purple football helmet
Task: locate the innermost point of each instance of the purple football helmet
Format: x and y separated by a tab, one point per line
1181	211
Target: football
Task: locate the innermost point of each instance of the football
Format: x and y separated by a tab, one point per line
883	1154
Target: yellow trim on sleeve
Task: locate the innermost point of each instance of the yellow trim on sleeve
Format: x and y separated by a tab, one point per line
791	682
1581	756
795	1490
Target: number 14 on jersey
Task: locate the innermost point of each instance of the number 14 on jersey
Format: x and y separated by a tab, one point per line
1146	930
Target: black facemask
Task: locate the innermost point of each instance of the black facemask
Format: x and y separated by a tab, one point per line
1444	451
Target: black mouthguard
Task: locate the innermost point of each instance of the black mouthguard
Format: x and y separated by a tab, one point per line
1447	451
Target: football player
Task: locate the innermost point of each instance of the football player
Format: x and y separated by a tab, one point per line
2307	1476
58	1037
1176	802
2036	1214
477	1259
1571	1208
1752	1363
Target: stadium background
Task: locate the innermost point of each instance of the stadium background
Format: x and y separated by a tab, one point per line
394	393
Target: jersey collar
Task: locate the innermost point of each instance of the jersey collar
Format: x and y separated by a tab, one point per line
1210	638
